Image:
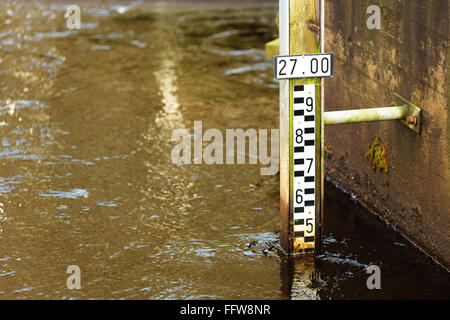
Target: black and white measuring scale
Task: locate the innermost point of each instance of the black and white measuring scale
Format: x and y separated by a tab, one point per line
303	145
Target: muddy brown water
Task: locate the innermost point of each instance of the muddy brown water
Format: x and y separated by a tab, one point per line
86	179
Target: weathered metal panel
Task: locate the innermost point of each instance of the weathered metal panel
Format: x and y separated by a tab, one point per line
408	55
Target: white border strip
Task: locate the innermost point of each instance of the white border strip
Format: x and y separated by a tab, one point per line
284	111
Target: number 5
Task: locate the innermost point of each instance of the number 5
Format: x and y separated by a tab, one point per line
309	224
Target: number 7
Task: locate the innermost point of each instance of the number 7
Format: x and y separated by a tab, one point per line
310	163
293	67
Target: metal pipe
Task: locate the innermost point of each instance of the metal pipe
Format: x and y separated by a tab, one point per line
366	115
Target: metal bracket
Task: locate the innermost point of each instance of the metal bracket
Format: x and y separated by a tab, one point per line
402	109
413	111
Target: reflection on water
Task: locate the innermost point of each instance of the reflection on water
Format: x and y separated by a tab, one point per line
86	118
169	116
303	278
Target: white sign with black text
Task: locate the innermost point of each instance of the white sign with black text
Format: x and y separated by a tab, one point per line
304	66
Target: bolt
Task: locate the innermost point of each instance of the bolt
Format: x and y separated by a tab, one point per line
412	120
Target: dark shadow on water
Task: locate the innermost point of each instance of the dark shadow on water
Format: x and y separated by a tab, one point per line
354	240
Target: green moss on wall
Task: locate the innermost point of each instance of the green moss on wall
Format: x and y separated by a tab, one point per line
377	156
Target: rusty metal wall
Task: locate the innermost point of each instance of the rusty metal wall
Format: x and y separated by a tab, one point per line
408	55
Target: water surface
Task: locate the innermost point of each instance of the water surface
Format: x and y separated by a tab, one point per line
86	179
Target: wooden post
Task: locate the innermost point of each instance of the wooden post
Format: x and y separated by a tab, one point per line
285	225
322	127
295	38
